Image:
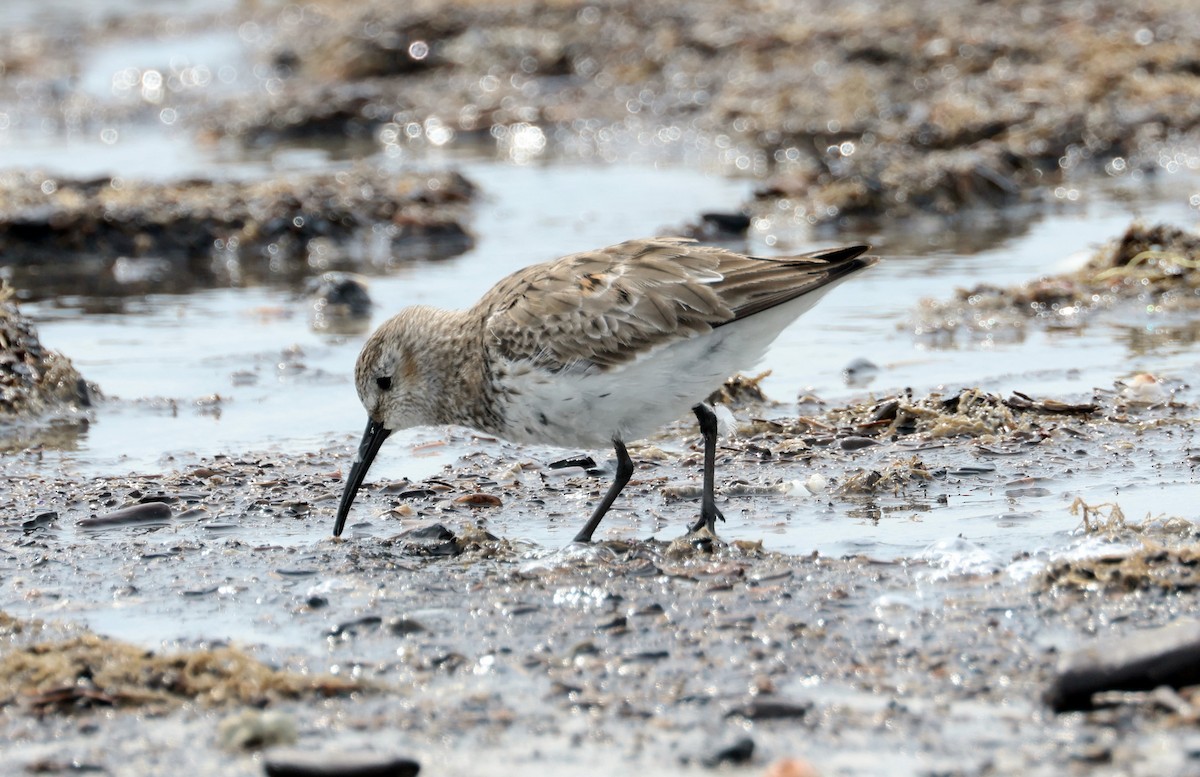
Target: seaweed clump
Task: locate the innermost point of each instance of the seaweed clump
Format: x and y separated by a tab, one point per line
971	412
88	670
35	380
1155	265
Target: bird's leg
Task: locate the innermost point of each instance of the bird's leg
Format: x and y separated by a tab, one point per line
708	504
624	472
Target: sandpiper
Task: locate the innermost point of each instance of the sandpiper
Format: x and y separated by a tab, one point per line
590	350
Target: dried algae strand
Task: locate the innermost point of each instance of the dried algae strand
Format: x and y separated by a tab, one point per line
1114	521
91	670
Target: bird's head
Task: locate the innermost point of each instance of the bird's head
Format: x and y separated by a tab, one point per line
393	390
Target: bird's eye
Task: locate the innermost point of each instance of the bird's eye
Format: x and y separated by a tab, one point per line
384	383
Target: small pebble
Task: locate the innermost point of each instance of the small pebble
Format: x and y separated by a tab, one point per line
146	512
253	729
404	626
771	710
860	372
726	223
791	767
304	764
478	500
855	442
39	521
433	531
352	628
739	752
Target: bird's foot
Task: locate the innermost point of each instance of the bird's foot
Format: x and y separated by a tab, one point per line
708	519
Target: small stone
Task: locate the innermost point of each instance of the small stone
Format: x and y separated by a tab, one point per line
352	628
860	372
791	767
886	411
433	531
771	710
739	752
586	462
40	521
1142	660
256	729
478	500
855	442
146	512
726	223
295	572
403	626
616	624
304	764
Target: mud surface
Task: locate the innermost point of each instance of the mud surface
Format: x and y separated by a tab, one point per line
659	653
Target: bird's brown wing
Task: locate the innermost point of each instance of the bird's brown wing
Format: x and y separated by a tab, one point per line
602	308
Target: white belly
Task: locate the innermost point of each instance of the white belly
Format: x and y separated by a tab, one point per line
628	402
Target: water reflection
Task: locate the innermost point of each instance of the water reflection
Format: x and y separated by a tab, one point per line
53	433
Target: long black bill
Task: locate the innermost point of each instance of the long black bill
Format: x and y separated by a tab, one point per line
372	438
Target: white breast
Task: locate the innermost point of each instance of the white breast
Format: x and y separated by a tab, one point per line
588	409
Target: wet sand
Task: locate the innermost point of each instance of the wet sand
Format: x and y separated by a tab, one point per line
476	652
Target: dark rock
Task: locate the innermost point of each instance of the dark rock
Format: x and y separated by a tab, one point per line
647	656
725	223
860	372
434	531
352	628
854	443
404	626
36	382
586	462
886	411
345	292
617	623
739	752
341	303
40	521
301	764
146	512
1141	660
771	710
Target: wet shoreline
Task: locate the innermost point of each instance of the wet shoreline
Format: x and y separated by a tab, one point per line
464	633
